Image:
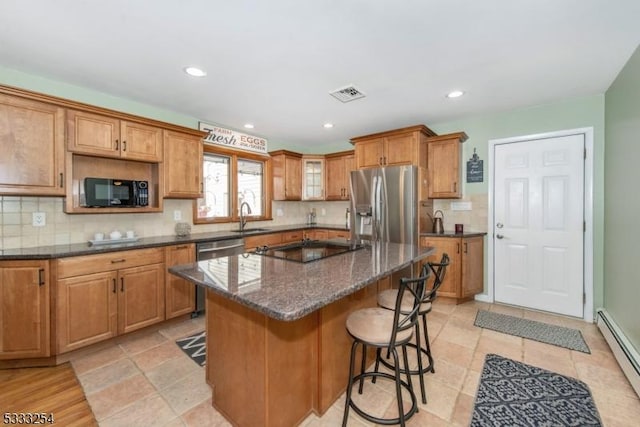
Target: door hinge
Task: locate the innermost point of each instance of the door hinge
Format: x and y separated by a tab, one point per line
584	226
585	153
584	298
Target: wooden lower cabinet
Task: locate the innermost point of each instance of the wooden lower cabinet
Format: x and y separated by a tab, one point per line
128	294
179	293
24	309
465	274
316	234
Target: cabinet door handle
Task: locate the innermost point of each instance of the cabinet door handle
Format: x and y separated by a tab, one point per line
182	247
380	161
385	160
41	277
61	180
122	284
457	248
465	247
455	187
117	144
116	261
114	286
124	145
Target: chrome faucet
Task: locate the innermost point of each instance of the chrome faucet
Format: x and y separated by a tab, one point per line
243	220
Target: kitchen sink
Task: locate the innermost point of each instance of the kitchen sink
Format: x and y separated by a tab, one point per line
249	230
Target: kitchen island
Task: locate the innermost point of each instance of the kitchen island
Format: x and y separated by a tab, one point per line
277	348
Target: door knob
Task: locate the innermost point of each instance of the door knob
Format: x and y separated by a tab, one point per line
499	225
499	236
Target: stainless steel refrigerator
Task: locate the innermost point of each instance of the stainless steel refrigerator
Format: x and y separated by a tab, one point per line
384	204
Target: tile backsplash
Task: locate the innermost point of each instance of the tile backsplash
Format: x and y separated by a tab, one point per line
17	229
473	220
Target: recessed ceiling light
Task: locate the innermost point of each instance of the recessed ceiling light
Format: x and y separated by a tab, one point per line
328	125
248	126
455	94
195	72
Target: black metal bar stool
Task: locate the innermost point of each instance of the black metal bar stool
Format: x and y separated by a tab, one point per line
385	329
388	300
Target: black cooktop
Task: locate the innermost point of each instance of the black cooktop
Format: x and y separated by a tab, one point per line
307	250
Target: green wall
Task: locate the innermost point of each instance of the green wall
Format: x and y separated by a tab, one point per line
622	275
569	114
10	77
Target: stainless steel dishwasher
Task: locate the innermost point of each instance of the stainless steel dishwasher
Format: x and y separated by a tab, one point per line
210	250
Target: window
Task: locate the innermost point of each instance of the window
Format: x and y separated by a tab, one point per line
231	178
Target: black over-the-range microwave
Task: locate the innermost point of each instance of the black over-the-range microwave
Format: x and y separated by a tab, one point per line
107	192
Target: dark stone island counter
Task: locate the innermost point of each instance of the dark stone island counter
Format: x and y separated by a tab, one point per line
287	290
277	347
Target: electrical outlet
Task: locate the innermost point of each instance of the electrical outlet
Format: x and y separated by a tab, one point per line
323	212
279	212
39	219
177	215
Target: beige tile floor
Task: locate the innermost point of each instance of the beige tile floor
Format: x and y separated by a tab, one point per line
145	379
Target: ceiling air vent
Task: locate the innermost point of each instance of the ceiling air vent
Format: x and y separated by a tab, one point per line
347	93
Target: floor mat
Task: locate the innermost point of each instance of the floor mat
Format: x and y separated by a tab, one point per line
195	348
531	329
512	393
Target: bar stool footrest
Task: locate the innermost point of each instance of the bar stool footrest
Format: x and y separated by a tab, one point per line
384	421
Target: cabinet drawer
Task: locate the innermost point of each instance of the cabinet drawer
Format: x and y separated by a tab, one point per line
265	239
87	264
292	236
338	234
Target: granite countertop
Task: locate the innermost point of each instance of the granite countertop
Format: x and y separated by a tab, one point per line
76	249
454	234
288	290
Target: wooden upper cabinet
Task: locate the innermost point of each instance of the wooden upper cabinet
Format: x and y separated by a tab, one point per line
406	146
24	309
105	136
338	175
370	153
287	175
141	142
32	141
182	165
313	177
444	165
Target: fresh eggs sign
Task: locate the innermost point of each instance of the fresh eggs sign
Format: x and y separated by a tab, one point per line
232	139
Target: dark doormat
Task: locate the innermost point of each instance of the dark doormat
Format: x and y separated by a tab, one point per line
533	330
195	348
512	393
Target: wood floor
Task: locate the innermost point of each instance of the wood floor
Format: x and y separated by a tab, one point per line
53	391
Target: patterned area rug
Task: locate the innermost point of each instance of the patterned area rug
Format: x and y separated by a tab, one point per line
515	394
533	330
195	348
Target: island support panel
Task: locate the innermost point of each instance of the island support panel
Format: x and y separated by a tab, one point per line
272	373
263	371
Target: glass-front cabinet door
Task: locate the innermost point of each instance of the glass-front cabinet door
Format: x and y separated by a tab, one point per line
312	178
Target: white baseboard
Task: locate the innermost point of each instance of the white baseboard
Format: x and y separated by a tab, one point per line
624	352
483	298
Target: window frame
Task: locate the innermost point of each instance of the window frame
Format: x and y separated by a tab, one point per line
267	185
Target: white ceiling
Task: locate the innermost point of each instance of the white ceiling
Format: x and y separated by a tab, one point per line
272	63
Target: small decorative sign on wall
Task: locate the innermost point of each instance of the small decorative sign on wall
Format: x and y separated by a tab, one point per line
231	139
474	168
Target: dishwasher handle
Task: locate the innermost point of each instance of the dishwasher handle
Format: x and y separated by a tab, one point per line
220	248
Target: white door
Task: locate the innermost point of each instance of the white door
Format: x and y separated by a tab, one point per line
539	224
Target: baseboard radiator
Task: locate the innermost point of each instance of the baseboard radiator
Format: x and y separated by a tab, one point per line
626	355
